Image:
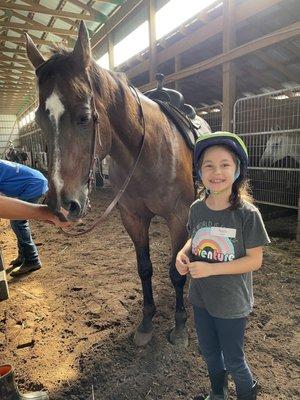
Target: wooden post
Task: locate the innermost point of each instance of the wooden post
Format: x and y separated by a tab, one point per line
229	78
298	223
4	294
111	57
177	69
152	39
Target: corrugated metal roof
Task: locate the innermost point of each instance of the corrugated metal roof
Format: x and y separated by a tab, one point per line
45	28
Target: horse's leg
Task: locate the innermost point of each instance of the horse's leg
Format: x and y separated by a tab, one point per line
137	228
178	334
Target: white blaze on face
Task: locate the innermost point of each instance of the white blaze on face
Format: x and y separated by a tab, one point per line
56	110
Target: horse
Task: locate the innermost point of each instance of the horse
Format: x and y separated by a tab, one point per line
14	155
280	146
79	101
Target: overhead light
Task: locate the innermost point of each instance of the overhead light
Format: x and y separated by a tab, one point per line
215	110
281	97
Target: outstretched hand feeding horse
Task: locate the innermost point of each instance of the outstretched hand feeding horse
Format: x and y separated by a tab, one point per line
85	111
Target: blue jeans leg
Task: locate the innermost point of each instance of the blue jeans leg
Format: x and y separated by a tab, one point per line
208	341
26	245
222	345
231	333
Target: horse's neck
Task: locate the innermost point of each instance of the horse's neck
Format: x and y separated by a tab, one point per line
126	122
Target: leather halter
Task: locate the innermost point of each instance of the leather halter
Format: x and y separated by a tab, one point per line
96	140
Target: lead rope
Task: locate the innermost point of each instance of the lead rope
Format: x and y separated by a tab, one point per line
93	161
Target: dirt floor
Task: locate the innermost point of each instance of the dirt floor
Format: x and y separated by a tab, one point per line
68	328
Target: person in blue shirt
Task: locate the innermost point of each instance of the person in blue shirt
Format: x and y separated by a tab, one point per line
27	184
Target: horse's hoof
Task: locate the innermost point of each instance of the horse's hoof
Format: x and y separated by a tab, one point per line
142	338
179	337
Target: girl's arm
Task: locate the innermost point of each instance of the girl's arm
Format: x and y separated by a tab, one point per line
182	259
252	261
17	209
187	248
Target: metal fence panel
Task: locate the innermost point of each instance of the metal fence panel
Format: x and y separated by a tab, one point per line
212	115
270	126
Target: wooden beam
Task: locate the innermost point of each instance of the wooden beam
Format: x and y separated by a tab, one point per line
19	75
16	84
17	92
30	21
4	87
177	68
22	79
28	73
48	11
64	19
22	84
200	35
44	28
229	76
17	67
97	15
3	57
151	7
260	26
6	81
4	49
247	48
20	39
110	45
14	91
117	2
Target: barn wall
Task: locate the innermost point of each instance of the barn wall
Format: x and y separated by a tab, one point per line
8	131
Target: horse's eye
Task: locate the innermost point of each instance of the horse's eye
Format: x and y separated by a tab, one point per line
84	120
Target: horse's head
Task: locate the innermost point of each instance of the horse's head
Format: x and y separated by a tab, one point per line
68	96
279	146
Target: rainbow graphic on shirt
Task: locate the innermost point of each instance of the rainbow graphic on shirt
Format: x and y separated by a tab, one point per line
212	247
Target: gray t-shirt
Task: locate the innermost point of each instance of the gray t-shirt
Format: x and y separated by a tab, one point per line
222	236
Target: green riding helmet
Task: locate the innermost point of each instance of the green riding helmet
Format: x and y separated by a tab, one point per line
231	140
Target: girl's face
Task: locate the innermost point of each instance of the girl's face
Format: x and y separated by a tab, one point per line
218	169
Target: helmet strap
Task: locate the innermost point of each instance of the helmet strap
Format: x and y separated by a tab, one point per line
238	169
217	193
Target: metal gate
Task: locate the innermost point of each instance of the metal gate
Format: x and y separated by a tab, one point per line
212	115
270	126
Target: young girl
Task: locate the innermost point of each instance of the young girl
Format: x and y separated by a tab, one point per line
227	234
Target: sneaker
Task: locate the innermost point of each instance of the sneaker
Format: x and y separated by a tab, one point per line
26	267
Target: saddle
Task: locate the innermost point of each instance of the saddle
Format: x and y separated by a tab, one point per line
182	115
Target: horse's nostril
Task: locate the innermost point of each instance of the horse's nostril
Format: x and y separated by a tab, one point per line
74	208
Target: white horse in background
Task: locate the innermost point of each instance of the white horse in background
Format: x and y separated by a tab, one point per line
279	146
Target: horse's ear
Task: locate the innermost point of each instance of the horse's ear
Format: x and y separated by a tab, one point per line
33	54
82	49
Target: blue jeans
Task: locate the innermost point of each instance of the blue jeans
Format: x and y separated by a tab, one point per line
221	343
27	248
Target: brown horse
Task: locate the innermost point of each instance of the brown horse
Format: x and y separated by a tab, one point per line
70	86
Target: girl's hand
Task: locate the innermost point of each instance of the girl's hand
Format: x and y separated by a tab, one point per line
200	269
182	263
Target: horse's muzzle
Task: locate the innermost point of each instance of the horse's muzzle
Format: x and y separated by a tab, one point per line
75	210
54	206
